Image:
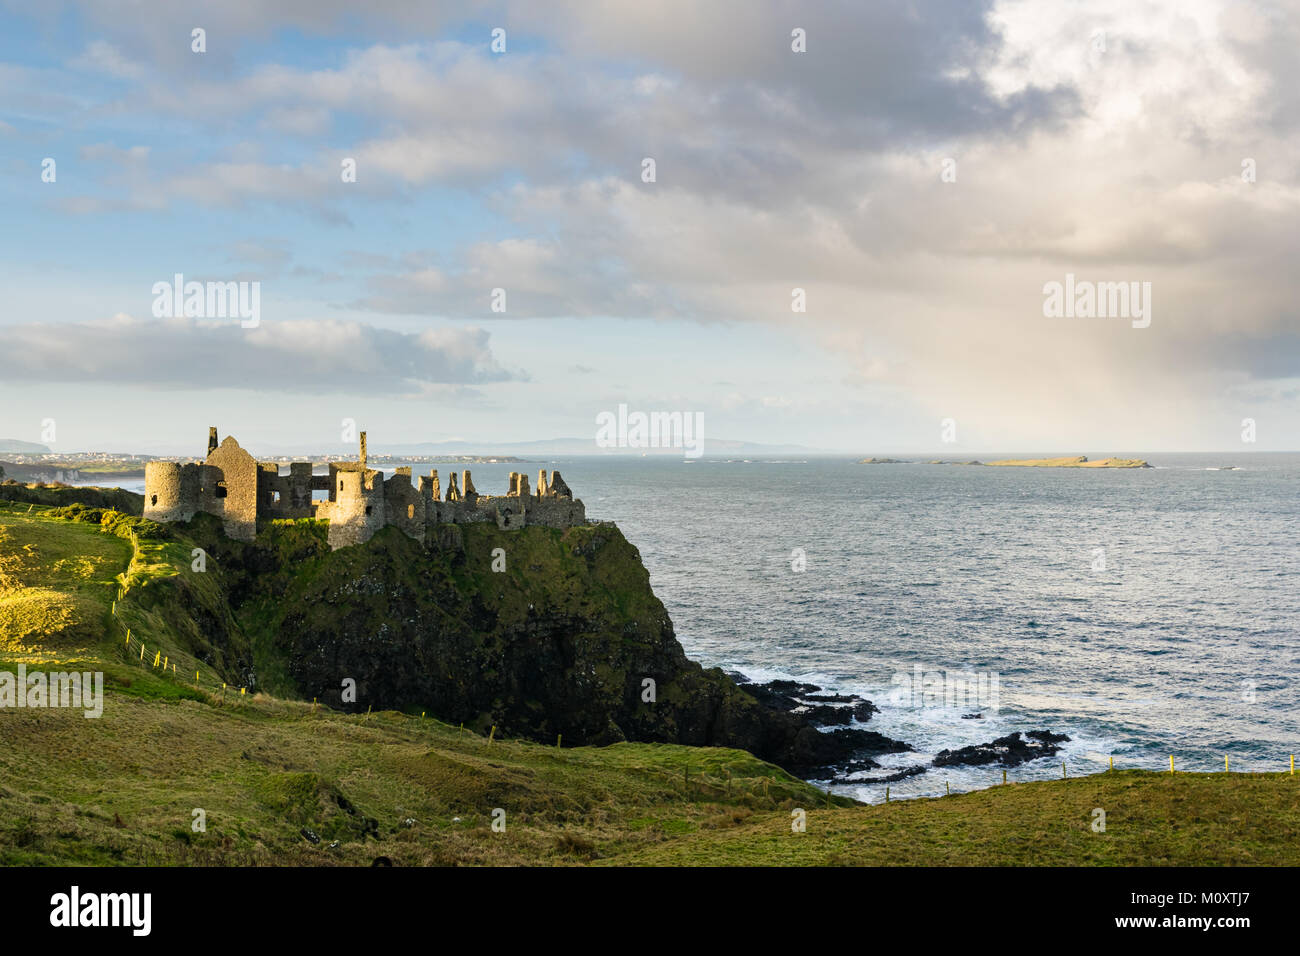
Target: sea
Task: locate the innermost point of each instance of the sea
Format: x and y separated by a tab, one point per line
1146	613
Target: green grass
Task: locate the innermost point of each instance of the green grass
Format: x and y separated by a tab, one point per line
121	790
61	571
57	581
1151	819
54	495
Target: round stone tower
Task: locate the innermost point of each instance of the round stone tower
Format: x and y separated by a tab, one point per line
357	511
167	494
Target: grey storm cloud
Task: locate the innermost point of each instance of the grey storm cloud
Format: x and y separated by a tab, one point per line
712	91
298	356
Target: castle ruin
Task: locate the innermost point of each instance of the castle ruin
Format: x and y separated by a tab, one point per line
230	484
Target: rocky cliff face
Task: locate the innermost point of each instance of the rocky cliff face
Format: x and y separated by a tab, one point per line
564	637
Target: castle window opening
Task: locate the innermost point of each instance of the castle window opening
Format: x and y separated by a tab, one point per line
369	509
222	491
153	499
410	512
275	497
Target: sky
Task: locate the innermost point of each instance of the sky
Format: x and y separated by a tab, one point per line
916	174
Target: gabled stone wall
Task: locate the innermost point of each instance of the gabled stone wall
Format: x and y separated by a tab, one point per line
232	485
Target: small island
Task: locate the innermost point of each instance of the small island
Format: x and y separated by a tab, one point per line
1078	461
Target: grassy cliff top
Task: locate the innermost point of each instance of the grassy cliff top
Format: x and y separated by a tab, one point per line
280	781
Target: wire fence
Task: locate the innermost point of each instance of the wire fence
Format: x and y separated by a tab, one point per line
169	661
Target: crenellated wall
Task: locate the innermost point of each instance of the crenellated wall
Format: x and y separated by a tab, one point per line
241	491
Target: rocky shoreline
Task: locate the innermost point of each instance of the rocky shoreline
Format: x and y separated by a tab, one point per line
840	750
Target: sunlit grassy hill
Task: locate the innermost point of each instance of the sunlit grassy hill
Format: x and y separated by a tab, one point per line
281	781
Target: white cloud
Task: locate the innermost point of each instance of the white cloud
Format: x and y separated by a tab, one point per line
102	57
313	356
1112	161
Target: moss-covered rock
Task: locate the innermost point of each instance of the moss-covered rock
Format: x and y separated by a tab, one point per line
539	632
117	499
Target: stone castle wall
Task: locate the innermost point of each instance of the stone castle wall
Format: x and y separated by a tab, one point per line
241	491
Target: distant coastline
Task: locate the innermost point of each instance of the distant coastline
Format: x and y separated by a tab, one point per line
1073	461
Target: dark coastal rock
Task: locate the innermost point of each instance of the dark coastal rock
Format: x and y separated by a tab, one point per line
1009	751
1047	737
825	715
888	778
817	754
863	710
777	694
819	751
809	701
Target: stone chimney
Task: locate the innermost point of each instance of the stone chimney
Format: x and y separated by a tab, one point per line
212	439
363	450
